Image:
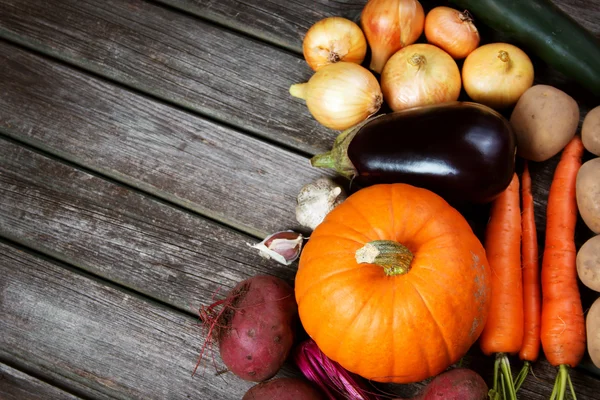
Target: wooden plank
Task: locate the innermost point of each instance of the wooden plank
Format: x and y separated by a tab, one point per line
586	12
540	383
16	385
537	386
99	340
121	235
197	164
285	23
175	57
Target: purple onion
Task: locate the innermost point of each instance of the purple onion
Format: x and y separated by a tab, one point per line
335	381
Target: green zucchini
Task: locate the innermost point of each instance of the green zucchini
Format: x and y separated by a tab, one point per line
548	32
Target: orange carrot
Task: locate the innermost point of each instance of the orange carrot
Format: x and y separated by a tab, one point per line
563	324
503	332
532	301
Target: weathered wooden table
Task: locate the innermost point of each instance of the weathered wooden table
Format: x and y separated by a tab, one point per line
143	145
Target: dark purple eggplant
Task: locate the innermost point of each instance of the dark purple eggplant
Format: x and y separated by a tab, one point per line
463	151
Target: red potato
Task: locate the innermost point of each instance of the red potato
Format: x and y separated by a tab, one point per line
455	384
284	389
254	326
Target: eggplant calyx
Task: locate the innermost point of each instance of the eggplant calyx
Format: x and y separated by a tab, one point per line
337	158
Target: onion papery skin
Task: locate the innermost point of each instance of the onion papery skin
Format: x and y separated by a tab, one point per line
497	75
420	75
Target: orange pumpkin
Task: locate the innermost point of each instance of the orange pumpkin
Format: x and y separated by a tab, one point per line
393	284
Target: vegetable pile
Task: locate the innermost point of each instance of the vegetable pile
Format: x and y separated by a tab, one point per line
393	284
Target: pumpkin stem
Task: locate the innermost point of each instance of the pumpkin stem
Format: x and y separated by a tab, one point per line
394	257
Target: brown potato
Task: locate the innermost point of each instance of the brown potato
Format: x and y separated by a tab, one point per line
588	193
592	323
588	263
590	131
545	119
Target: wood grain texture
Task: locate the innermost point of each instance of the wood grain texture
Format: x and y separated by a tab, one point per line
105	341
175	57
137	242
203	166
121	235
197	65
100	340
586	12
286	23
16	385
283	23
537	386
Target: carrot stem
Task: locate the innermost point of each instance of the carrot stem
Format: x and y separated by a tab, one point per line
522	375
507	374
554	392
571	388
561	378
563	381
493	392
504	386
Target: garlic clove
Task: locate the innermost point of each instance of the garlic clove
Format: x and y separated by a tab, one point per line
283	247
316	200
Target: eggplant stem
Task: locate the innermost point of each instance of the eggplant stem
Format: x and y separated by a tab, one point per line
337	158
323	160
299	90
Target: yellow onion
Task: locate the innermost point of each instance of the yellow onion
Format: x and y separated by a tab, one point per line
390	25
340	95
334	39
418	75
497	74
452	31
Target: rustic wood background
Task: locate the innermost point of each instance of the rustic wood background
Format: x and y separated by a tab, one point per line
143	146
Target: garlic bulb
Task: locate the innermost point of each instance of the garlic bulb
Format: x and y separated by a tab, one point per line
340	95
332	40
316	200
283	247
